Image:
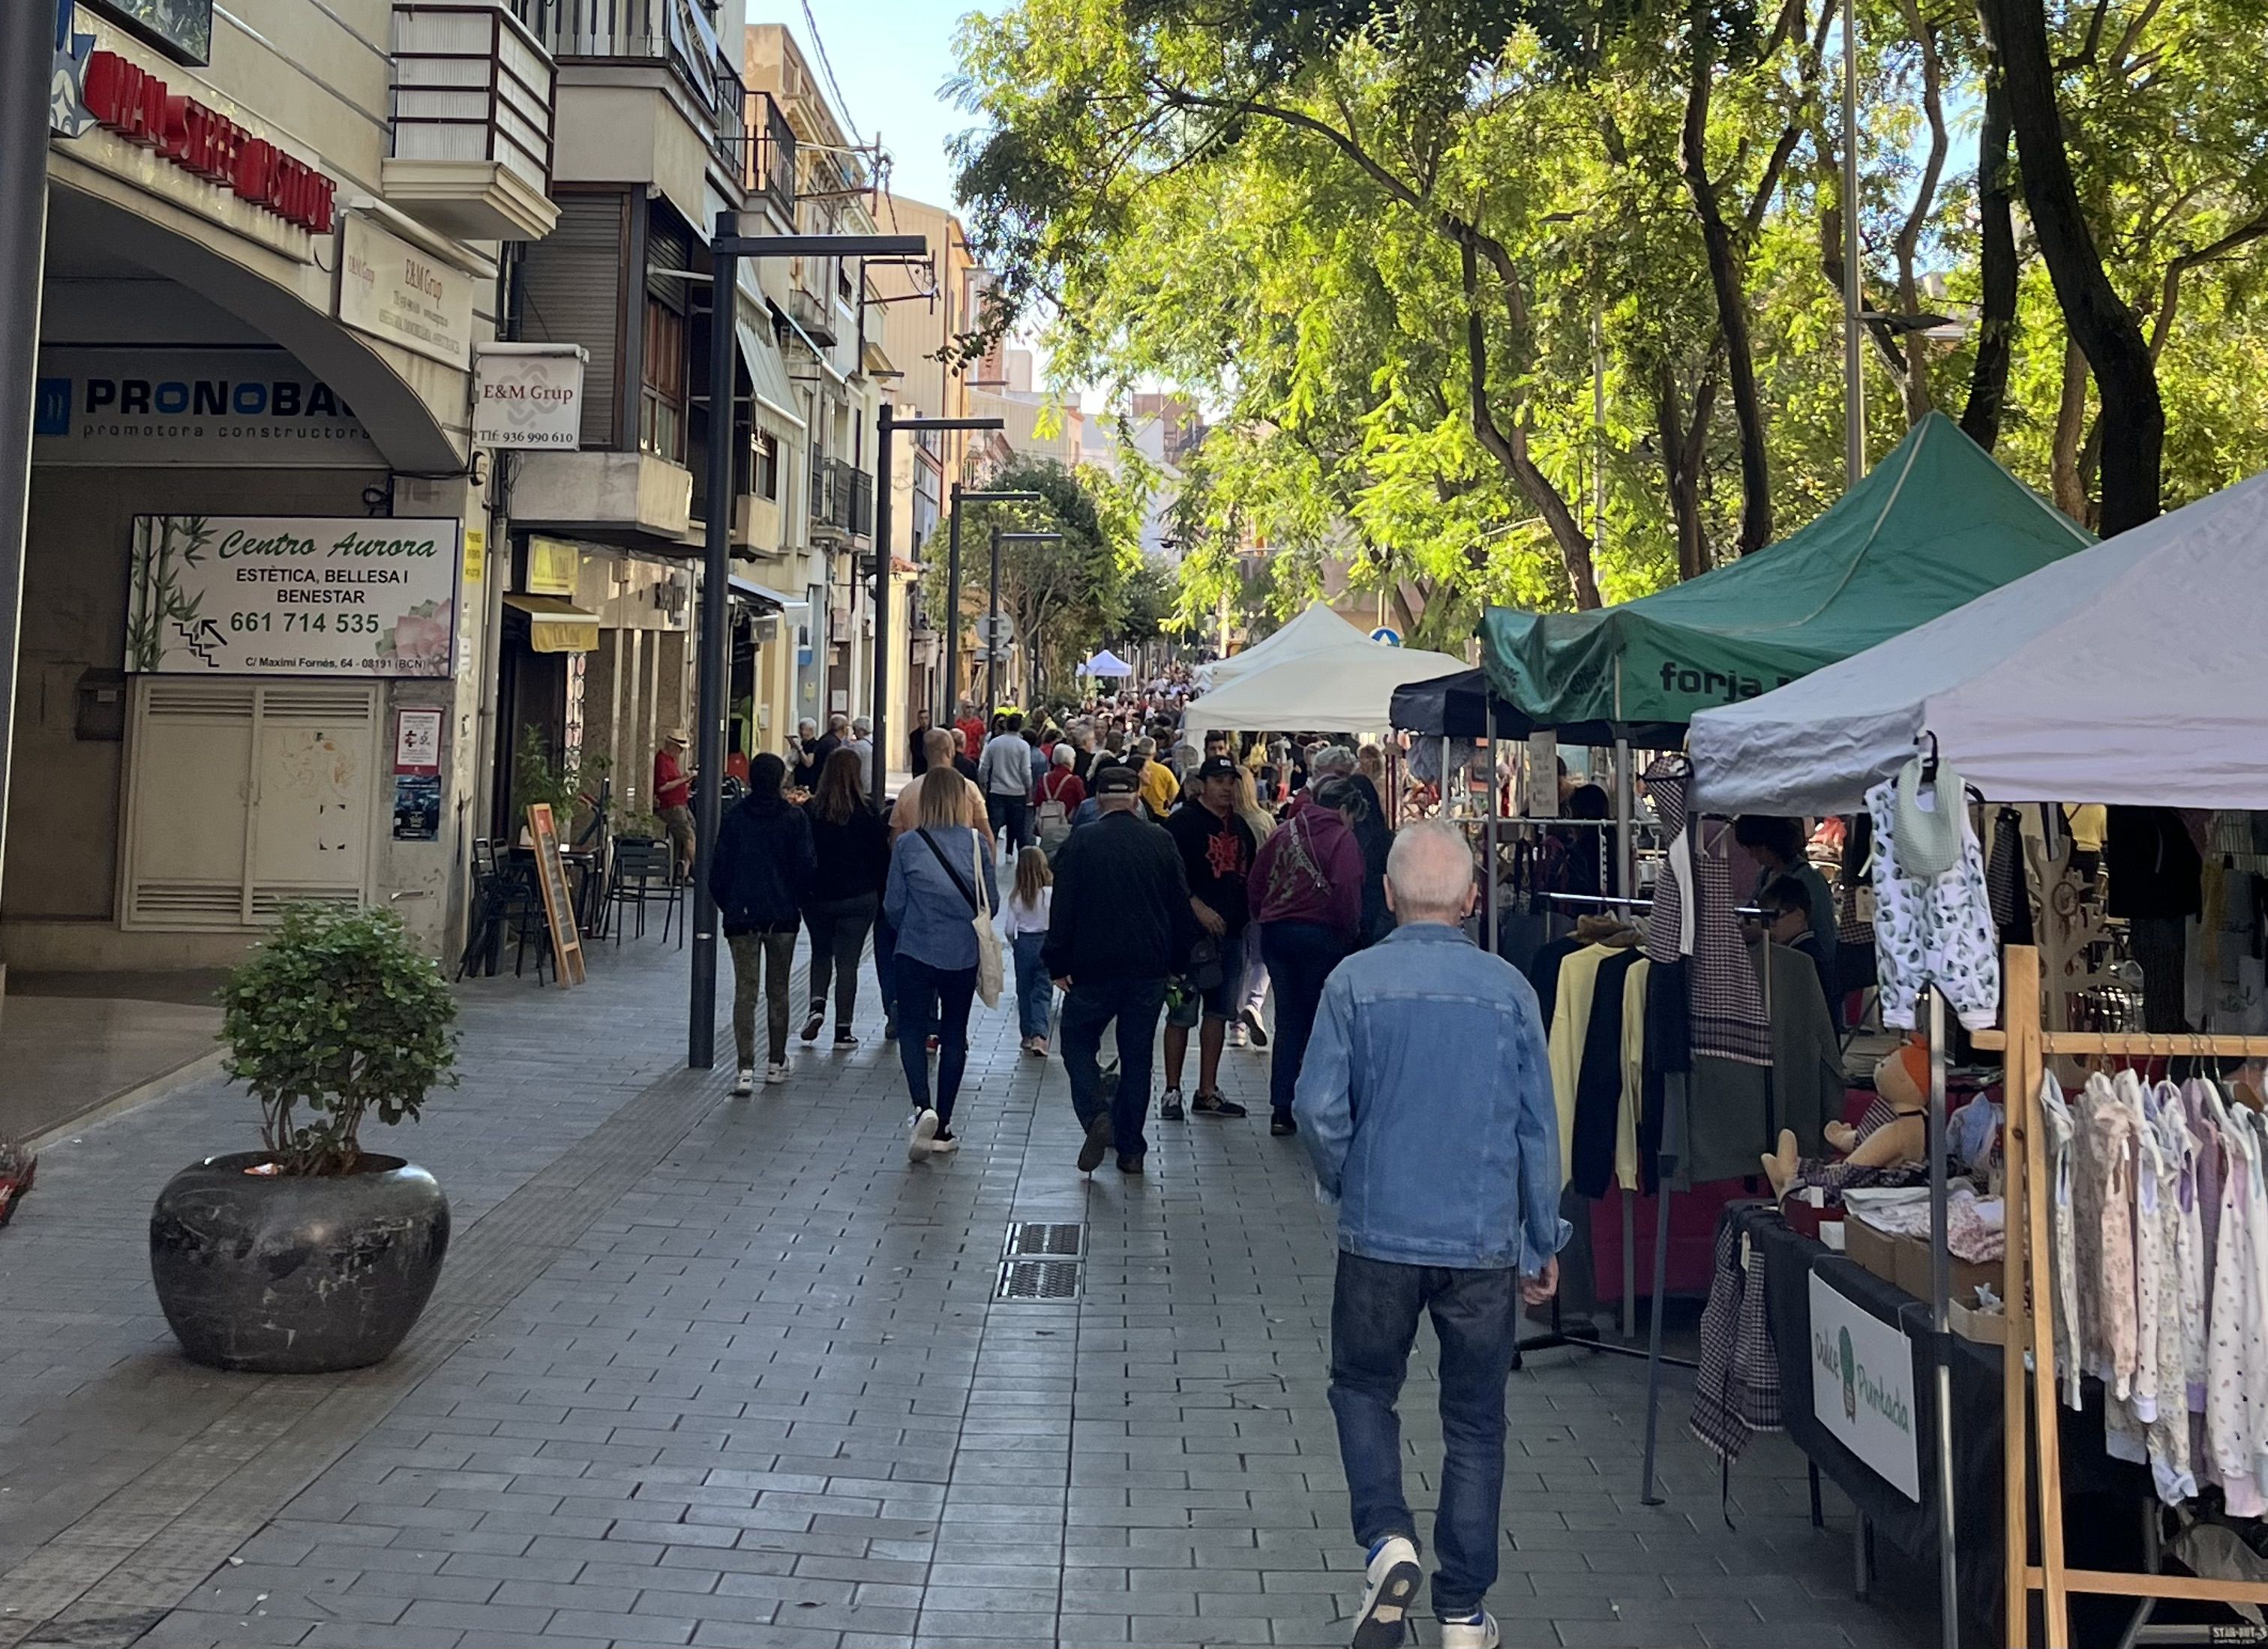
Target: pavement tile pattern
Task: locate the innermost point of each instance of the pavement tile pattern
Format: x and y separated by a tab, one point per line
718	1372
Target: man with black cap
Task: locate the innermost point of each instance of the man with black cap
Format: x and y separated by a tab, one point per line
1120	926
1217	848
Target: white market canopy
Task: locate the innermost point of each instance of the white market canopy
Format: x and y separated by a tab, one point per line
1106	663
1346	688
1316	630
2127	672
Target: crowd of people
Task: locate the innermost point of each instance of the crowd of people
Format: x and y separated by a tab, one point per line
1131	878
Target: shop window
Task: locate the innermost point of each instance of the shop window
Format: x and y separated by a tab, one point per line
661	400
767	476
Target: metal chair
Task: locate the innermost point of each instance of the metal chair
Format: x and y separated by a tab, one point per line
645	873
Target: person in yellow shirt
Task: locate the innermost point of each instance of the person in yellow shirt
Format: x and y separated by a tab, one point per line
1162	786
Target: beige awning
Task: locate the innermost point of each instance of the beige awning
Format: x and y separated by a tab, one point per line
555	624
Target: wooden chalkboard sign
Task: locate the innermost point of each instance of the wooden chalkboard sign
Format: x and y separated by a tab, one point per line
558	903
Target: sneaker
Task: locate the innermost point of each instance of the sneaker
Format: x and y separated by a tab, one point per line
931	1044
1099	1137
1236	1036
1169	1108
844	1040
774	1075
1249	1020
1479	1631
1039	1048
924	1133
945	1142
889	1030
1281	1125
1129	1165
1388	1584
1213	1105
745	1083
812	1020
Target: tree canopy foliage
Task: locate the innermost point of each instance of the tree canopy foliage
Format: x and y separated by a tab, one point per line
1539	302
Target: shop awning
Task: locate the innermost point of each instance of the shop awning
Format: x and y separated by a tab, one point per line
555	624
768	374
769	599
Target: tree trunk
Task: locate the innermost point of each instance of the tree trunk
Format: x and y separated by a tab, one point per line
2069	485
1682	445
1507	444
1999	266
1731	297
2133	415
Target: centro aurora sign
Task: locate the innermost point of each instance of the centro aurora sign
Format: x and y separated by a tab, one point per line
293	595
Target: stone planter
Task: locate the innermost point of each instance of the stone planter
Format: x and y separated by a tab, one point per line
275	1275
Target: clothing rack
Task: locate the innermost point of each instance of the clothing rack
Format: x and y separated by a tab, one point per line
2028	1045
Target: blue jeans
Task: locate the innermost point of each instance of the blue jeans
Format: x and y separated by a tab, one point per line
885	963
1036	992
1089	1006
934	1002
1374	1312
1299	956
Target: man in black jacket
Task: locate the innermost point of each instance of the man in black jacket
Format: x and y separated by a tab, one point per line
1121	924
760	872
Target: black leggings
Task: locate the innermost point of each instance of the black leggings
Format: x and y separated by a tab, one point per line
838	939
934	1001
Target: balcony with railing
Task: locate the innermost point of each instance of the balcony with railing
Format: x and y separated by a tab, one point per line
675	32
473	102
842	499
771	157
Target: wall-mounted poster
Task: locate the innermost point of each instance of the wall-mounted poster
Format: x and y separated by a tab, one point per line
182	28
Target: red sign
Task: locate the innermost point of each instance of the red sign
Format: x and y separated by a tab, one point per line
140	107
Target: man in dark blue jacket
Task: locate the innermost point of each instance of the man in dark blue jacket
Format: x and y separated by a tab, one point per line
760	872
1425	1103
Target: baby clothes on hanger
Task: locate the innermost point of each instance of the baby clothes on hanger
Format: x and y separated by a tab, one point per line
2062	1257
1933	921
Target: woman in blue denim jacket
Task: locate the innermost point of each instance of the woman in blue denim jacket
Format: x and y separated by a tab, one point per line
932	901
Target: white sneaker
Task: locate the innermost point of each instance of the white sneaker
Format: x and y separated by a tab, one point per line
944	1144
774	1075
1389	1584
1480	1632
925	1134
745	1083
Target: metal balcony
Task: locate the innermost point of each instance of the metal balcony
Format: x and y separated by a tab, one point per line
771	157
675	32
842	499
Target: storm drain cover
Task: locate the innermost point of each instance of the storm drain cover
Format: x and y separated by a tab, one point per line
1038	1280
1028	1236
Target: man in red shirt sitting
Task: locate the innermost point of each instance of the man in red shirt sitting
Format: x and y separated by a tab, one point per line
673	797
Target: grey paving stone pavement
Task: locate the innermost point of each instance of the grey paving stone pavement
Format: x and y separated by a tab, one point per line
717	1372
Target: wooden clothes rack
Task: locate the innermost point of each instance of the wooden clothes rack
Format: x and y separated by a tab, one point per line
2027	1046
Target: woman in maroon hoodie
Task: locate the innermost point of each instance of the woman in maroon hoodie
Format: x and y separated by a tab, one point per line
1306	891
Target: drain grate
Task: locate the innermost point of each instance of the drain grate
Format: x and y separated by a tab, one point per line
1038	1280
1034	1237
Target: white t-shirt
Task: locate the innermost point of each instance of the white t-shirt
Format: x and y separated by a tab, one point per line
1023	918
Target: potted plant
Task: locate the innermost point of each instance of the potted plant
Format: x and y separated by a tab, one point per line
564	778
312	1254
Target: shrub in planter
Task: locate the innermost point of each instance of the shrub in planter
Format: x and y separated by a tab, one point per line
312	1254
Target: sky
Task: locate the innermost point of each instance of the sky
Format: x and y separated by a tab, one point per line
891	59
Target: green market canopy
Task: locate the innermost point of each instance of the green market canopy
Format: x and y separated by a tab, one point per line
1936	525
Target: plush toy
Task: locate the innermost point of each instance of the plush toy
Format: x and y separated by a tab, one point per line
1890	1141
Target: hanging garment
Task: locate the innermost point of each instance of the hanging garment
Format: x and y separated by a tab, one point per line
1934	929
2005	884
1736	1391
1543	972
2132	1410
2168	1436
1599	1080
1633	1095
1694	919
1668	1060
2063	1259
2231	1346
2107	1286
2256	1298
1570	1026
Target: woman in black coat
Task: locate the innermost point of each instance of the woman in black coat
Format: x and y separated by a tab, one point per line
852	848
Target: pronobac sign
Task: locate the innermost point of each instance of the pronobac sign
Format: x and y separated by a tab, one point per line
142	108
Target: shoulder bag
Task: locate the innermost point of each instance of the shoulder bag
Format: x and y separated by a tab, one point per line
991	972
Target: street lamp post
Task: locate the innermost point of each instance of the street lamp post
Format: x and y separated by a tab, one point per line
885	426
961	496
726	248
992	628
